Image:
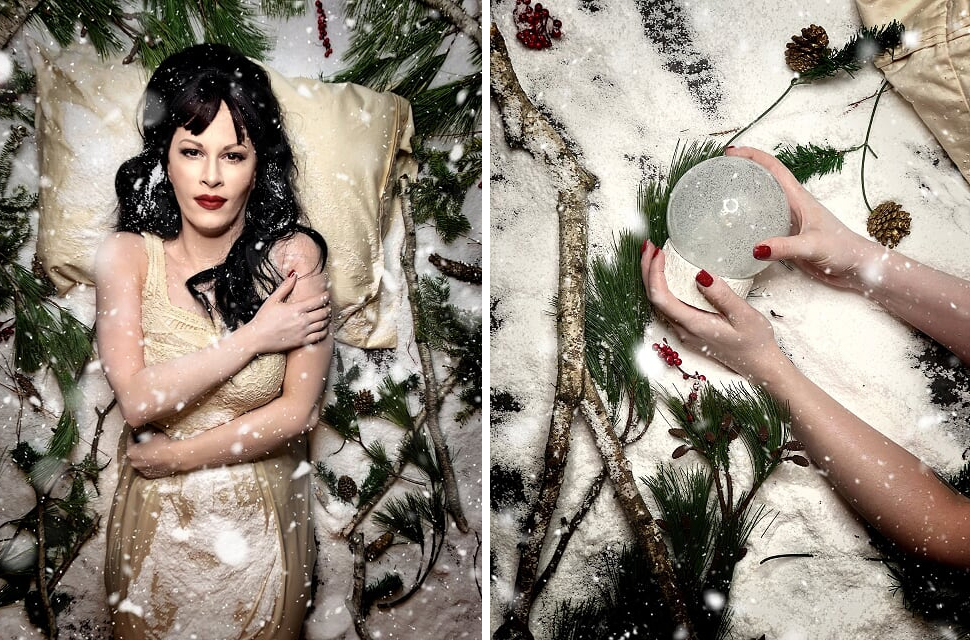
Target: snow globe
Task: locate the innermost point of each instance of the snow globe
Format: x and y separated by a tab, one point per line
717	212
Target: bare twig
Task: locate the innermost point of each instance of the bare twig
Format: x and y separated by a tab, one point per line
362	510
526	128
568	529
431	402
357	595
453	12
645	529
99	428
42	589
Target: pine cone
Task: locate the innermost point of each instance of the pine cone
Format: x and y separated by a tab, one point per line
364	403
377	547
37	268
346	488
888	223
806	51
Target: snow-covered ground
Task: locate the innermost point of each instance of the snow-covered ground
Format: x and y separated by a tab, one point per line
627	81
449	605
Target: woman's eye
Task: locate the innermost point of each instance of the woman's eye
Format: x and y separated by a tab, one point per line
235	157
191	153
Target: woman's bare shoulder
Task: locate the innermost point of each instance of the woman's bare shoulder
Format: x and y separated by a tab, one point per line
120	251
298	253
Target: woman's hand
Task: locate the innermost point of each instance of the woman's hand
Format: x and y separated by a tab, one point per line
820	244
153	454
738	336
282	325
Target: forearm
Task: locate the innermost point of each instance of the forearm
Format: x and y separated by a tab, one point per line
162	389
936	303
888	486
263	430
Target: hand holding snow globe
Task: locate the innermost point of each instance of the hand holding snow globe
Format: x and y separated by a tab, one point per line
718	211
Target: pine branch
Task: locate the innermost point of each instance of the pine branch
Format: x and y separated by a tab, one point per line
526	128
863	46
427	367
364	506
807	161
457	16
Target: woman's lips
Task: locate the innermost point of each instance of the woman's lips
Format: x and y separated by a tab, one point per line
210	202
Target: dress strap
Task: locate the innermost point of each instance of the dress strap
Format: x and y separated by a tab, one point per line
155	276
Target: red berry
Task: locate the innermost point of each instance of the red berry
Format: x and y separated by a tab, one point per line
557	23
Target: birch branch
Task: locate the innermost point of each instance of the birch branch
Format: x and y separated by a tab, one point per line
357	594
645	530
453	12
529	130
431	402
13	18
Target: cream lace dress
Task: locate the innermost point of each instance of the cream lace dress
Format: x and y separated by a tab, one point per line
224	553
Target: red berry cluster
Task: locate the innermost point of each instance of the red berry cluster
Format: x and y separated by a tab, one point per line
322	29
535	32
672	358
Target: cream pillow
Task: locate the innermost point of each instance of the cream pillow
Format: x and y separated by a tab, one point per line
932	69
350	143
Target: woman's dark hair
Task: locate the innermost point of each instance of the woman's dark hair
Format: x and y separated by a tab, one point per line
187	90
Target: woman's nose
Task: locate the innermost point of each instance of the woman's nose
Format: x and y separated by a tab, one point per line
211	174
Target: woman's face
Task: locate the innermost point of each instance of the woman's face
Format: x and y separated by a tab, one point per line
212	176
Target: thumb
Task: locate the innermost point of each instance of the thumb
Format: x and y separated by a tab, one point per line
720	295
286	287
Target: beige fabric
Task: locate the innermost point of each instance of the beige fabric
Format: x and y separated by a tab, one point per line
932	69
216	553
350	143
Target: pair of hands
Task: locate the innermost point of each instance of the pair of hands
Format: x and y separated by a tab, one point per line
279	326
738	335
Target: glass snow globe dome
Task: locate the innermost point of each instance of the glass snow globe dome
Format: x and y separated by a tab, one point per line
718	211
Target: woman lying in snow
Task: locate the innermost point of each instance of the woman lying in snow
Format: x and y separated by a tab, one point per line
895	492
217	359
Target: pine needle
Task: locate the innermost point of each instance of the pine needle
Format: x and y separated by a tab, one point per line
392	401
863	46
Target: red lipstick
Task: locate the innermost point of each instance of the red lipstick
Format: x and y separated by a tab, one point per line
210	202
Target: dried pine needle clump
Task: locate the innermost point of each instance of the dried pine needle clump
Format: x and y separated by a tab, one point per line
889	223
806	51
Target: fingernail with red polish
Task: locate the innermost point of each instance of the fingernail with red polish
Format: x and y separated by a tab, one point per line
761	252
643	247
291	273
656	250
704	278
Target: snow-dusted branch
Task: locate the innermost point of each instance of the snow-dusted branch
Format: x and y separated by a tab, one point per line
645	529
453	12
527	129
357	594
430	387
13	17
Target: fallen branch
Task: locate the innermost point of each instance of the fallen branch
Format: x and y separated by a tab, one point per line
42	584
645	529
526	128
431	402
357	594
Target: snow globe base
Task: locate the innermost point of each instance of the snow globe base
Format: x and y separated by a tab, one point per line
681	281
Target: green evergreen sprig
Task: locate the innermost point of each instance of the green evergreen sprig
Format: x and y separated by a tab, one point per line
439	193
455	332
20	84
861	48
617	309
808	161
653	195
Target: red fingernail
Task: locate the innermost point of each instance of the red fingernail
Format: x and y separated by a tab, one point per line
643	247
730	147
291	273
761	252
656	250
704	278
